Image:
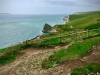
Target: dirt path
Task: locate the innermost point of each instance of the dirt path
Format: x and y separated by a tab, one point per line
30	62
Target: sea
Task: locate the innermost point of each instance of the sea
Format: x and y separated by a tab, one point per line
18	28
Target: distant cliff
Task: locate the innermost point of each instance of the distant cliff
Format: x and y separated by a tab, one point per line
66	18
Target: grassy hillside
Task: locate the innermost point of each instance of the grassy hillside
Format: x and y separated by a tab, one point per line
85	21
91	21
82	21
76	50
81	15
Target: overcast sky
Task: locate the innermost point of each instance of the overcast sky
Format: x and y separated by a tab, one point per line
48	6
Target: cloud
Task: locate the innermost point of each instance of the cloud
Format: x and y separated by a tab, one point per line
62	2
95	2
82	3
48	6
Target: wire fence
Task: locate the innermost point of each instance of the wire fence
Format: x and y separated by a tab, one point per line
65	38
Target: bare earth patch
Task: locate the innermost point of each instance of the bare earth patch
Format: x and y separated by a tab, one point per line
30	62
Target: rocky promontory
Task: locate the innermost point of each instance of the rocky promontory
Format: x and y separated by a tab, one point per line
47	28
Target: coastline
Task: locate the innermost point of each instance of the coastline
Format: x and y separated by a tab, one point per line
33	38
24	29
21	42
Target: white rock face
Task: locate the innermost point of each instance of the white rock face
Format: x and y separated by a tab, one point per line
66	18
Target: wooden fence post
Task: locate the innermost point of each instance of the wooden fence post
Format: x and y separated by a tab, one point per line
60	38
87	32
81	35
26	42
50	41
76	36
43	41
99	30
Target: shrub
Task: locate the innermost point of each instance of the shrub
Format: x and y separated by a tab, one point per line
89	69
47	64
80	71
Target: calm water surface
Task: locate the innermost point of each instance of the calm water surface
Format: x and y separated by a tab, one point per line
17	28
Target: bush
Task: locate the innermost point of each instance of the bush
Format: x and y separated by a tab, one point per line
80	71
89	69
47	64
93	67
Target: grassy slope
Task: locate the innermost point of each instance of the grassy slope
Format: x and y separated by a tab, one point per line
81	15
76	16
90	21
76	50
85	21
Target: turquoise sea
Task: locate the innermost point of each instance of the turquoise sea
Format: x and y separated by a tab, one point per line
18	28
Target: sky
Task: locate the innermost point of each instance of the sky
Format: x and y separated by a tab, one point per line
48	6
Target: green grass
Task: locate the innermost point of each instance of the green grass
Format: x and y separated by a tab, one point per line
8	59
80	71
77	16
85	21
8	54
91	21
91	69
93	26
81	15
76	50
64	28
65	38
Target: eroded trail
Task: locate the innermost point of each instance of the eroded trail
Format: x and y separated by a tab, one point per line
30	62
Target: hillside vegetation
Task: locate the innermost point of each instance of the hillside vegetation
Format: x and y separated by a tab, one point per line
78	15
91	21
78	22
85	21
76	50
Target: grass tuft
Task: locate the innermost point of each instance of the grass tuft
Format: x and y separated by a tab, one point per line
89	69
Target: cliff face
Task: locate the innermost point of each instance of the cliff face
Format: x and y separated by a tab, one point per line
66	18
53	30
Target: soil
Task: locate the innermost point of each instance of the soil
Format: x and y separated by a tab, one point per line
30	62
